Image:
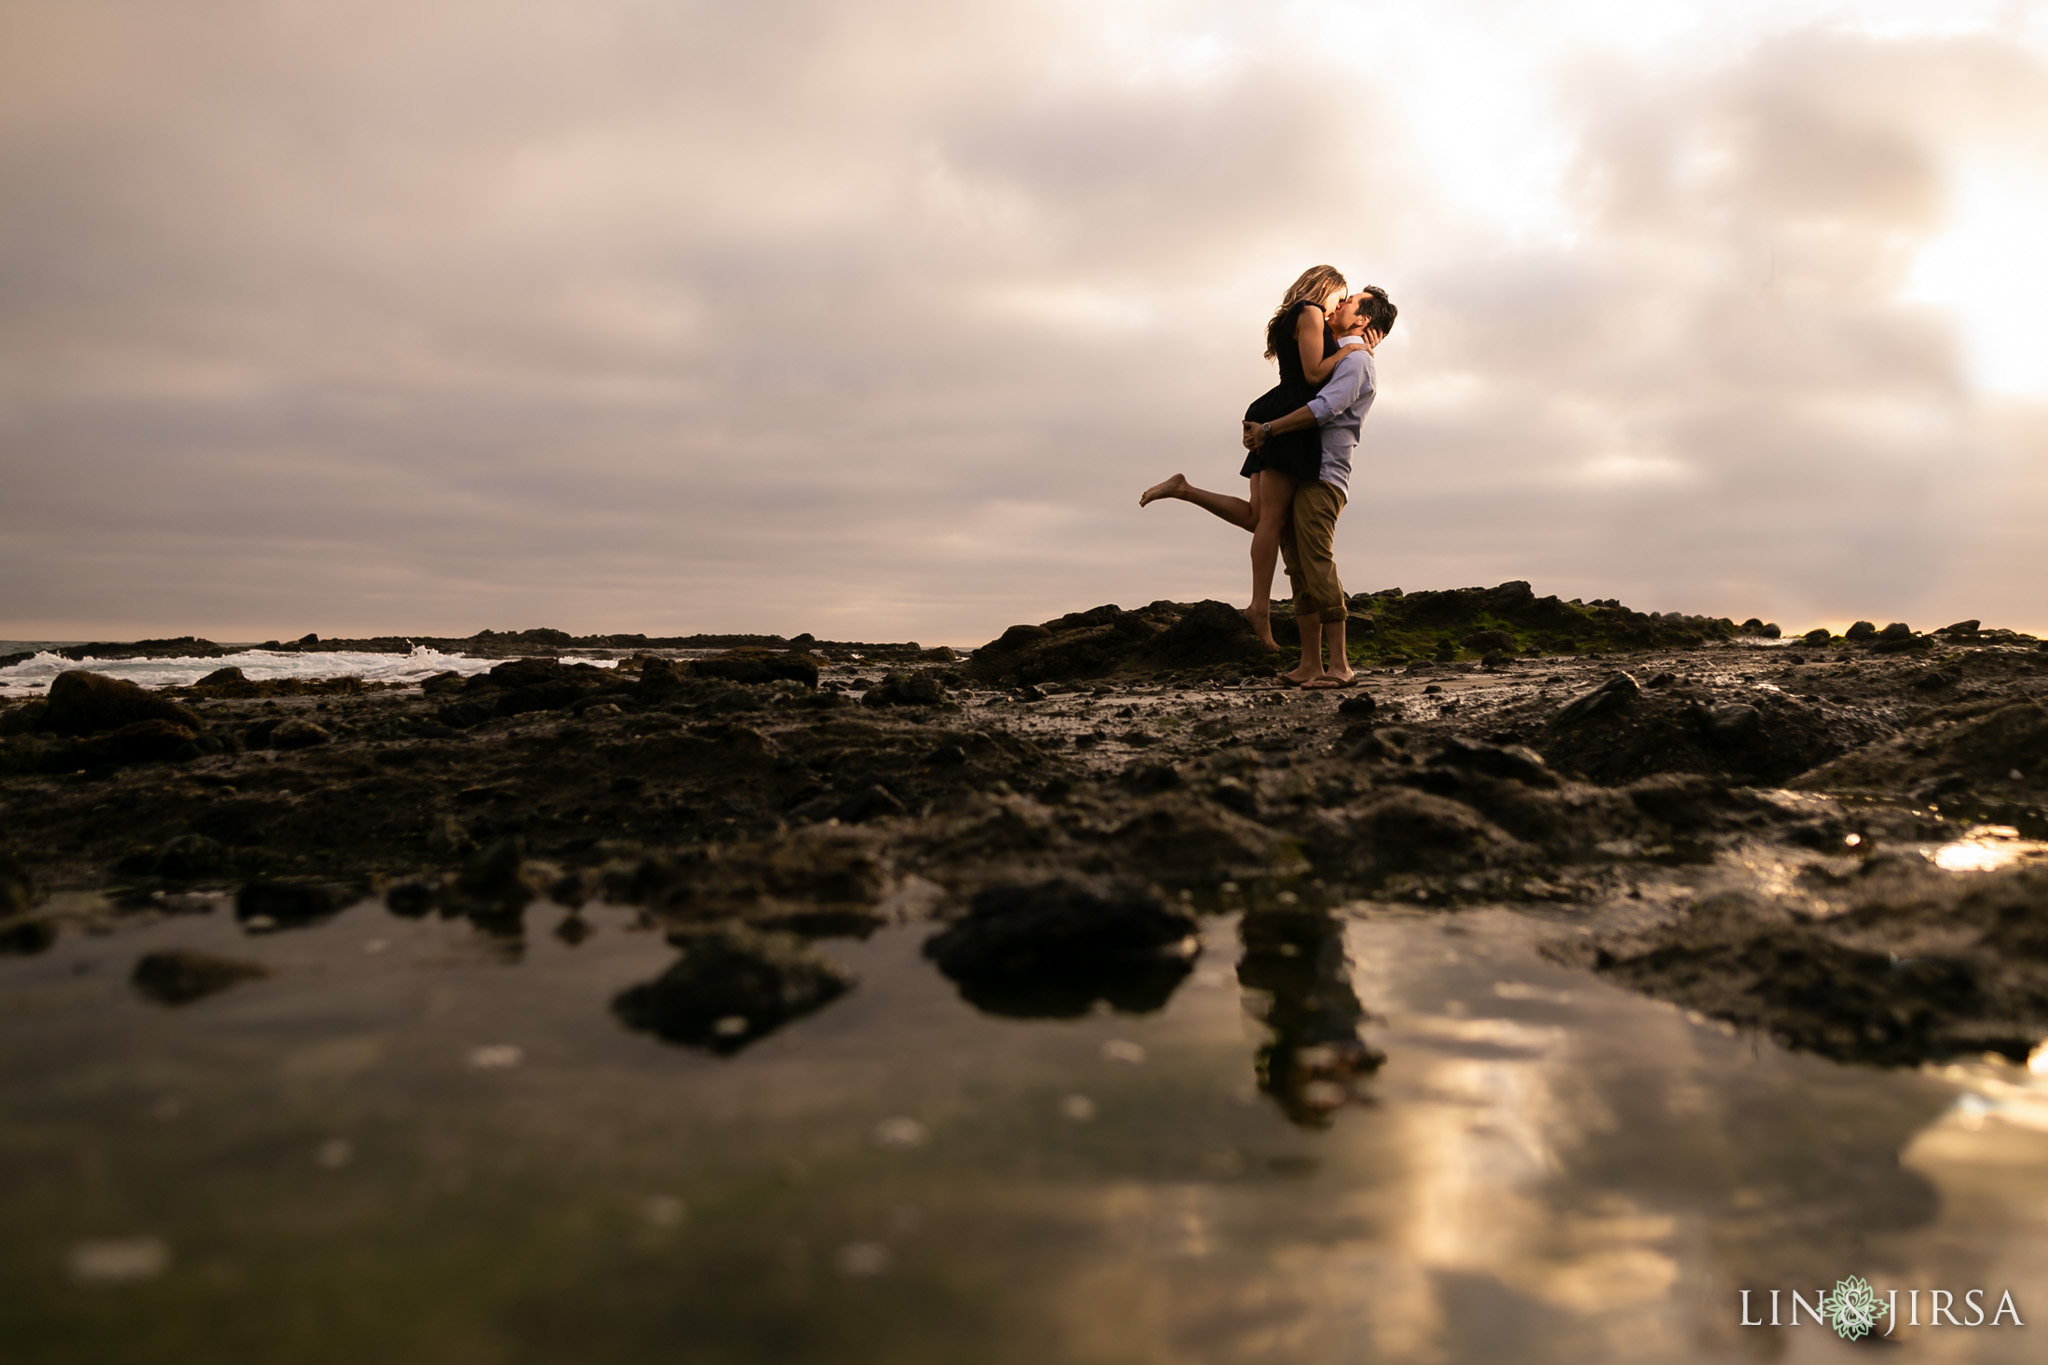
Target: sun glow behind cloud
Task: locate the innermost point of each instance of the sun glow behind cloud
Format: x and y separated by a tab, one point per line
1988	269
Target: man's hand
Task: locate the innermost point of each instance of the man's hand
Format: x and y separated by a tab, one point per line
1254	437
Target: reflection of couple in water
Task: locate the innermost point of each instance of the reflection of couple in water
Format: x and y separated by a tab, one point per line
1297	981
1300	435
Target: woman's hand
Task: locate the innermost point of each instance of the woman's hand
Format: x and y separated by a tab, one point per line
1254	435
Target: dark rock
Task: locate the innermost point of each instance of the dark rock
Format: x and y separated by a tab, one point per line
179	976
1917	968
1667	732
1487	641
17	891
1358	704
730	987
462	715
556	695
1961	628
191	857
26	935
907	689
523	673
1513	762
1050	949
1985	746
734	701
1753	626
298	733
20	720
1862	630
1080	645
1147	777
946	756
288	904
1935	679
82	703
1896	638
1687	802
1772	631
230	676
21	934
755	666
1817	636
1733	723
143	741
1405	830
1612	695
656	676
1181	839
414	898
1510	598
1015	640
493	885
872	802
180	647
1208	632
443	683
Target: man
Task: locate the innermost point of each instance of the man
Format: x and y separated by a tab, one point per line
1308	550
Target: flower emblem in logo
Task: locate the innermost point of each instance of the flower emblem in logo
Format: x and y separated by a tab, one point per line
1854	1308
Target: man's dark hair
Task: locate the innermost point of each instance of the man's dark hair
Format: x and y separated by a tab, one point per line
1378	310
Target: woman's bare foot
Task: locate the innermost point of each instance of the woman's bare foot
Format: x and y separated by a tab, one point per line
1301	674
1165	488
1327	680
1262	626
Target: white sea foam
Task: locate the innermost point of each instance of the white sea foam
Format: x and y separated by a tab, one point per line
32	677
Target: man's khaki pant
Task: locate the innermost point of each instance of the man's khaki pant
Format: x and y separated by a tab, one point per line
1308	551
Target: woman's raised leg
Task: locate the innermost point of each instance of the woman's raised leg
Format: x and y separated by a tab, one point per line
1273	494
1236	511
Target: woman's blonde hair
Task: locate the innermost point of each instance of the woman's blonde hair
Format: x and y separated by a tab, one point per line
1315	285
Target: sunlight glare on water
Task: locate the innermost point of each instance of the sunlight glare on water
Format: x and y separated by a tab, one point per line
1986	848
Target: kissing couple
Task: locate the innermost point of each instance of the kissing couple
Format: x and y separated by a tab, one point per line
1299	436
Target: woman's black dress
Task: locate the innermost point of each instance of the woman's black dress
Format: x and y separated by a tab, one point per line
1298	453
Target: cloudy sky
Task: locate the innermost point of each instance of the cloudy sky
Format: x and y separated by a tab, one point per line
873	319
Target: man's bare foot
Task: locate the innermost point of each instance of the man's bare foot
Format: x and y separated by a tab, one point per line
1301	674
1327	681
1165	488
1262	625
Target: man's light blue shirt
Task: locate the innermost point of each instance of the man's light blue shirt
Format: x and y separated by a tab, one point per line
1340	408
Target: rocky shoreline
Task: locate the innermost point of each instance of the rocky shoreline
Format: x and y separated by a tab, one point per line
1760	830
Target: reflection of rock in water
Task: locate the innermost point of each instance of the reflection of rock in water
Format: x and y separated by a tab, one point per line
731	986
179	976
1051	949
1297	978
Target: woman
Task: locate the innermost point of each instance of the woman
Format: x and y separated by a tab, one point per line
1298	336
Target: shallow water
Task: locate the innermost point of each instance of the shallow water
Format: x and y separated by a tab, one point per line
32	677
416	1142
